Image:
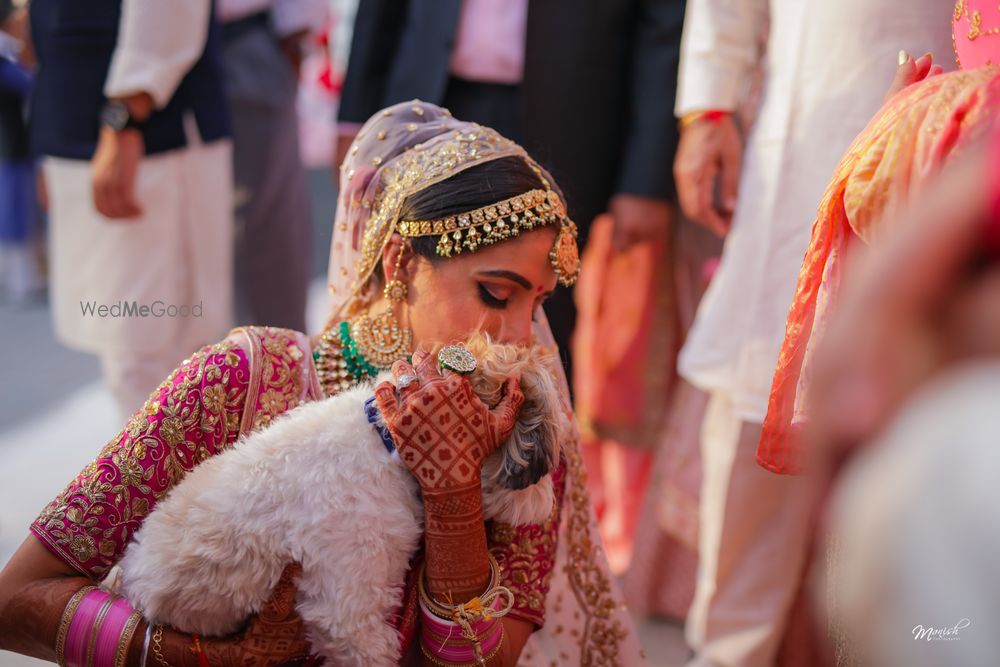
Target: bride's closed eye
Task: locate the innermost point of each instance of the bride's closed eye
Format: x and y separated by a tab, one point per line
493	297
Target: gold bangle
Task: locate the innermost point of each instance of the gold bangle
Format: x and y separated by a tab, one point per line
443	611
95	630
121	653
67	619
158	646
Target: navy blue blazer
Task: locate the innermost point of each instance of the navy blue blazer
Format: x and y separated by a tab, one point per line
74	41
597	97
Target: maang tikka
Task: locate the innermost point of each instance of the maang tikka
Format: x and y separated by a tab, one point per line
381	339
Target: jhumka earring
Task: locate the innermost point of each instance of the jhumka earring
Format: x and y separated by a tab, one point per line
381	339
395	289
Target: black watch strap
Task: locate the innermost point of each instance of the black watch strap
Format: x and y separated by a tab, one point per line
115	114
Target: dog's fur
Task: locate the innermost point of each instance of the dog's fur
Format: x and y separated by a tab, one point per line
318	487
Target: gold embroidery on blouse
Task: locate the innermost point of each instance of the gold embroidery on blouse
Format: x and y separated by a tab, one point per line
144	461
526	556
276	387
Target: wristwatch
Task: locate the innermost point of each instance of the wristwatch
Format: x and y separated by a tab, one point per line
115	115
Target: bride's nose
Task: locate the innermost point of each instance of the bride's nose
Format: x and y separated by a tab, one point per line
515	330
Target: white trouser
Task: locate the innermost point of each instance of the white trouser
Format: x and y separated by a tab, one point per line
754	530
174	257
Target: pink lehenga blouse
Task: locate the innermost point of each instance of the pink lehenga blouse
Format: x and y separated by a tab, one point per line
219	394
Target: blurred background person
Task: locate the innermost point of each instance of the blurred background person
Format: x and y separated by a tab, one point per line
826	69
912	350
262	50
20	274
921	130
545	74
908	352
660	579
139	175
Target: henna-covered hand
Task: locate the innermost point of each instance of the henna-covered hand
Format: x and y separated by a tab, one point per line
275	636
444	433
441	428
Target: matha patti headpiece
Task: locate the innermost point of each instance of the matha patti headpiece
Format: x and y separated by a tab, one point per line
469	231
402	150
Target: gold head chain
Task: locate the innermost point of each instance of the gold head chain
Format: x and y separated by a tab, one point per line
485	226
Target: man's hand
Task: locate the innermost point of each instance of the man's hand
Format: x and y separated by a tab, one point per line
639	219
709	150
114	168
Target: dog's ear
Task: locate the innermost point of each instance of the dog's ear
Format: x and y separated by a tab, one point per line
532	450
534	453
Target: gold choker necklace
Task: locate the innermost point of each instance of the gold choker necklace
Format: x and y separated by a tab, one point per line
354	351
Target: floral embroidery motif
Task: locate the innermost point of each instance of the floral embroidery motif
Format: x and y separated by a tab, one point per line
189	417
278	378
526	555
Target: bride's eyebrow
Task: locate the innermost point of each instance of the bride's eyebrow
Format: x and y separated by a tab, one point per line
509	275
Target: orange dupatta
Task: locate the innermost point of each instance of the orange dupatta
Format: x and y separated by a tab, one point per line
906	143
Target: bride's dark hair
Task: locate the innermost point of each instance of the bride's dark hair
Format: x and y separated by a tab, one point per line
478	186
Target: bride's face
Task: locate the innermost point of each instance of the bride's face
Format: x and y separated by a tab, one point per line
494	290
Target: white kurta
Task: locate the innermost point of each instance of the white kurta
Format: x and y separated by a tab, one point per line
826	66
176	258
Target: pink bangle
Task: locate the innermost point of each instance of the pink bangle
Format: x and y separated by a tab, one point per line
80	629
459	649
67	618
95	630
100	631
482	660
115	634
444	639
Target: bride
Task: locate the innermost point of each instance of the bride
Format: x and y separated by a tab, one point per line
443	228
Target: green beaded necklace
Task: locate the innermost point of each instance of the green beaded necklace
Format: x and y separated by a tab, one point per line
340	362
357	365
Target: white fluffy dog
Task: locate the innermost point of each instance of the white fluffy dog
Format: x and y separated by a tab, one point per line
320	487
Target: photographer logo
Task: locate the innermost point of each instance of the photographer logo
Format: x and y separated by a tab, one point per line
931	634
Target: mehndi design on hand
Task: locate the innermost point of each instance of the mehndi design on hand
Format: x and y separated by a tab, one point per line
443	431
